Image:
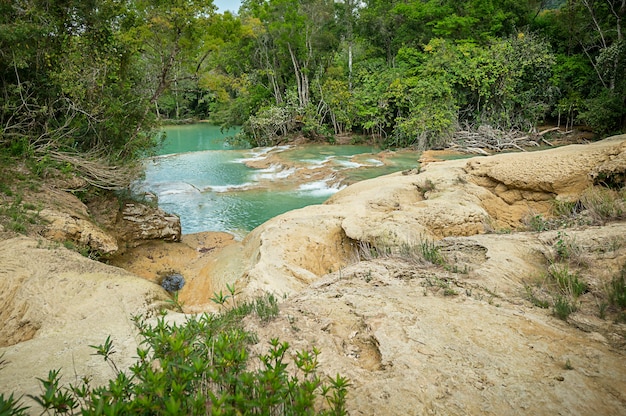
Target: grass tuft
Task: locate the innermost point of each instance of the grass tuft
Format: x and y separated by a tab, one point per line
617	289
563	307
603	204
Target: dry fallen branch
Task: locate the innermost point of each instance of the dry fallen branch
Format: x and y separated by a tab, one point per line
95	169
496	140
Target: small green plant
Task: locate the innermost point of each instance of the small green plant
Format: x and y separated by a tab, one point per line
456	269
5	189
426	250
563	307
536	222
12	406
449	292
106	351
233	292
220	298
431	252
566	249
568	283
568	365
266	307
83	250
439	283
19	216
562	247
602	307
565	209
55	399
175	302
424	188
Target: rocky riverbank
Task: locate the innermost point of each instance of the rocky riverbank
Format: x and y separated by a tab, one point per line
436	291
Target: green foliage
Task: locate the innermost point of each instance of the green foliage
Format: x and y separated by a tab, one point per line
567	250
603	112
18	216
534	299
202	366
12	406
536	222
68	80
568	283
431	252
563	307
97	75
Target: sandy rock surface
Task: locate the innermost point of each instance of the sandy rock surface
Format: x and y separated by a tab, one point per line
411	349
415	338
452	198
55	303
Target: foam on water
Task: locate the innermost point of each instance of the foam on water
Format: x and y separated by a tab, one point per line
321	188
273	172
174	188
261	153
375	162
349	164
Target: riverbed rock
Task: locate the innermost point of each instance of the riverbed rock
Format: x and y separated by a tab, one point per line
415	339
463	336
138	223
452	198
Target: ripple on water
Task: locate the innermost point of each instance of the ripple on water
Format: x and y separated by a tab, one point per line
235	190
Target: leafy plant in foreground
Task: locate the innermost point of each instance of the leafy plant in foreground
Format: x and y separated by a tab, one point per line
201	367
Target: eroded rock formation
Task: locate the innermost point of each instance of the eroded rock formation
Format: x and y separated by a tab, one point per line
459	338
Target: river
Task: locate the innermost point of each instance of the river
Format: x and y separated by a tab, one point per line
213	186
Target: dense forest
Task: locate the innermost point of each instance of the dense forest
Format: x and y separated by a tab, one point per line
95	76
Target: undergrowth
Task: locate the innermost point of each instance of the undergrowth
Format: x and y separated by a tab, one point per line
597	205
201	367
426	251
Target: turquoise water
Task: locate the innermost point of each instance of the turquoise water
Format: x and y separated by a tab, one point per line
215	187
194	137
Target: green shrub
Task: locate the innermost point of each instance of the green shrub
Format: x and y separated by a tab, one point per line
567	250
431	252
426	250
603	112
200	367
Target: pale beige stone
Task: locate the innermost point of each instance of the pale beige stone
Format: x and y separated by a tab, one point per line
413	338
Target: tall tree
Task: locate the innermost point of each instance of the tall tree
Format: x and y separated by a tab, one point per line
592	31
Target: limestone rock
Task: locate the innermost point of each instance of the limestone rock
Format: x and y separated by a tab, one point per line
411	348
413	338
62	227
55	303
452	198
138	223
